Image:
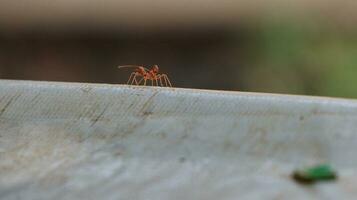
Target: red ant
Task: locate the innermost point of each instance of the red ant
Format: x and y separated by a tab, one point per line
146	74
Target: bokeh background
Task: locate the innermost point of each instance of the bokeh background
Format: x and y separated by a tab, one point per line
294	46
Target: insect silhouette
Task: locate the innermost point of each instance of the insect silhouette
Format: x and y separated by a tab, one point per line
144	75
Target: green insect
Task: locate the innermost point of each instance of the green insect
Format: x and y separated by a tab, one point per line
313	174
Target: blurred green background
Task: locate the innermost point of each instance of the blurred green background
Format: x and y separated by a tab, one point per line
295	47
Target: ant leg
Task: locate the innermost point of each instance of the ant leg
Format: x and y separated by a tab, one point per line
165	81
145	81
167	78
156	82
134	80
160	79
140	81
130	77
152	82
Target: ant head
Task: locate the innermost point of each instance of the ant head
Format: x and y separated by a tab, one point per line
155	68
140	69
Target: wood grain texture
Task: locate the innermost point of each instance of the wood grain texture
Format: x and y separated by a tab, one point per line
97	141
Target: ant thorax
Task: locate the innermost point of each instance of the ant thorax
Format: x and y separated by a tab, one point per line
141	70
155	69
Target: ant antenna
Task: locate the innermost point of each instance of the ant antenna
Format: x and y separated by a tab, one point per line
128	66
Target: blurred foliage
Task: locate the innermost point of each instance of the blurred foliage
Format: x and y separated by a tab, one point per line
277	54
303	57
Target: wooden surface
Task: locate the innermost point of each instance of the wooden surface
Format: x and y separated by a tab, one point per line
96	141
